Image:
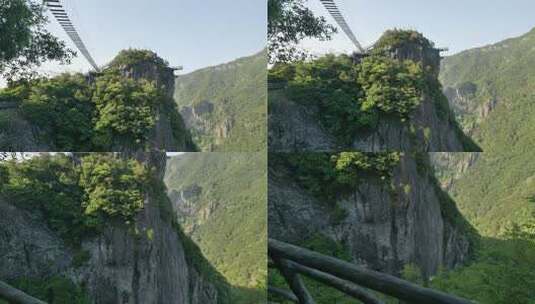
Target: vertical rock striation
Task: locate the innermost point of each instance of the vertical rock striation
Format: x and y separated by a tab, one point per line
143	263
383	228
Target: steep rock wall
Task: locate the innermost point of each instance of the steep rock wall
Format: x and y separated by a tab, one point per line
384	228
431	127
145	263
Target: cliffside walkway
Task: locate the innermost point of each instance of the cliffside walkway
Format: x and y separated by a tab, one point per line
15	296
293	261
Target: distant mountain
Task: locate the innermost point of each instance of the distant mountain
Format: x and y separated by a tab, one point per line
225	106
492	90
220	201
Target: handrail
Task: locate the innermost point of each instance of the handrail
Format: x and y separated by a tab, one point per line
377	281
15	296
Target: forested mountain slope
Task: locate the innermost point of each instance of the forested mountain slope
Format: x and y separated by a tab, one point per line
225	105
220	200
492	90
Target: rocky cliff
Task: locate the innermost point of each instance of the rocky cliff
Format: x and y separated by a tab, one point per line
430	127
383	225
149	262
38	129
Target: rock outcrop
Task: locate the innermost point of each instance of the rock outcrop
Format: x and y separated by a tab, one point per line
431	126
382	227
145	263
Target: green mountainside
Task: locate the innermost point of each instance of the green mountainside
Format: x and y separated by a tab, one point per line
225	105
496	190
225	195
492	90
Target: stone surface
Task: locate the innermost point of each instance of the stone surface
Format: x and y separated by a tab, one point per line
145	265
384	229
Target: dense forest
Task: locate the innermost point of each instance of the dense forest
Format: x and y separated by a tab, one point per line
210	192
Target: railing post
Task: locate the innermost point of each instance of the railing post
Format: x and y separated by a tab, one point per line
294	281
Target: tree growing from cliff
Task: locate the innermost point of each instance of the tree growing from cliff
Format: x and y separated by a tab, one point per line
126	109
391	86
289	22
24	41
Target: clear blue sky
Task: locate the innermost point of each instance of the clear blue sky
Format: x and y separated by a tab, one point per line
192	33
456	24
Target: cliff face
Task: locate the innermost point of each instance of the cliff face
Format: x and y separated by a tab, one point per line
169	132
17	134
382	228
162	136
431	126
145	264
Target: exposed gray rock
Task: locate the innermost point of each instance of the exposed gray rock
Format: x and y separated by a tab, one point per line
140	264
294	127
384	228
16	134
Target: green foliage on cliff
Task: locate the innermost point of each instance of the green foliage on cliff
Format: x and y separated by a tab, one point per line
53	290
398	38
126	109
391	86
236	92
132	57
75	200
112	186
62	104
348	96
74	112
228	218
328	176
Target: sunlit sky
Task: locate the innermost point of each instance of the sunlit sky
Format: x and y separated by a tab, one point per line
190	33
455	24
196	34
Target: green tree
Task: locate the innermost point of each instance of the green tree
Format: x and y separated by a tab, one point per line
62	106
113	187
126	109
390	85
24	41
289	22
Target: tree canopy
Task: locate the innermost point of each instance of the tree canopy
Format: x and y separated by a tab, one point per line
290	21
24	41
